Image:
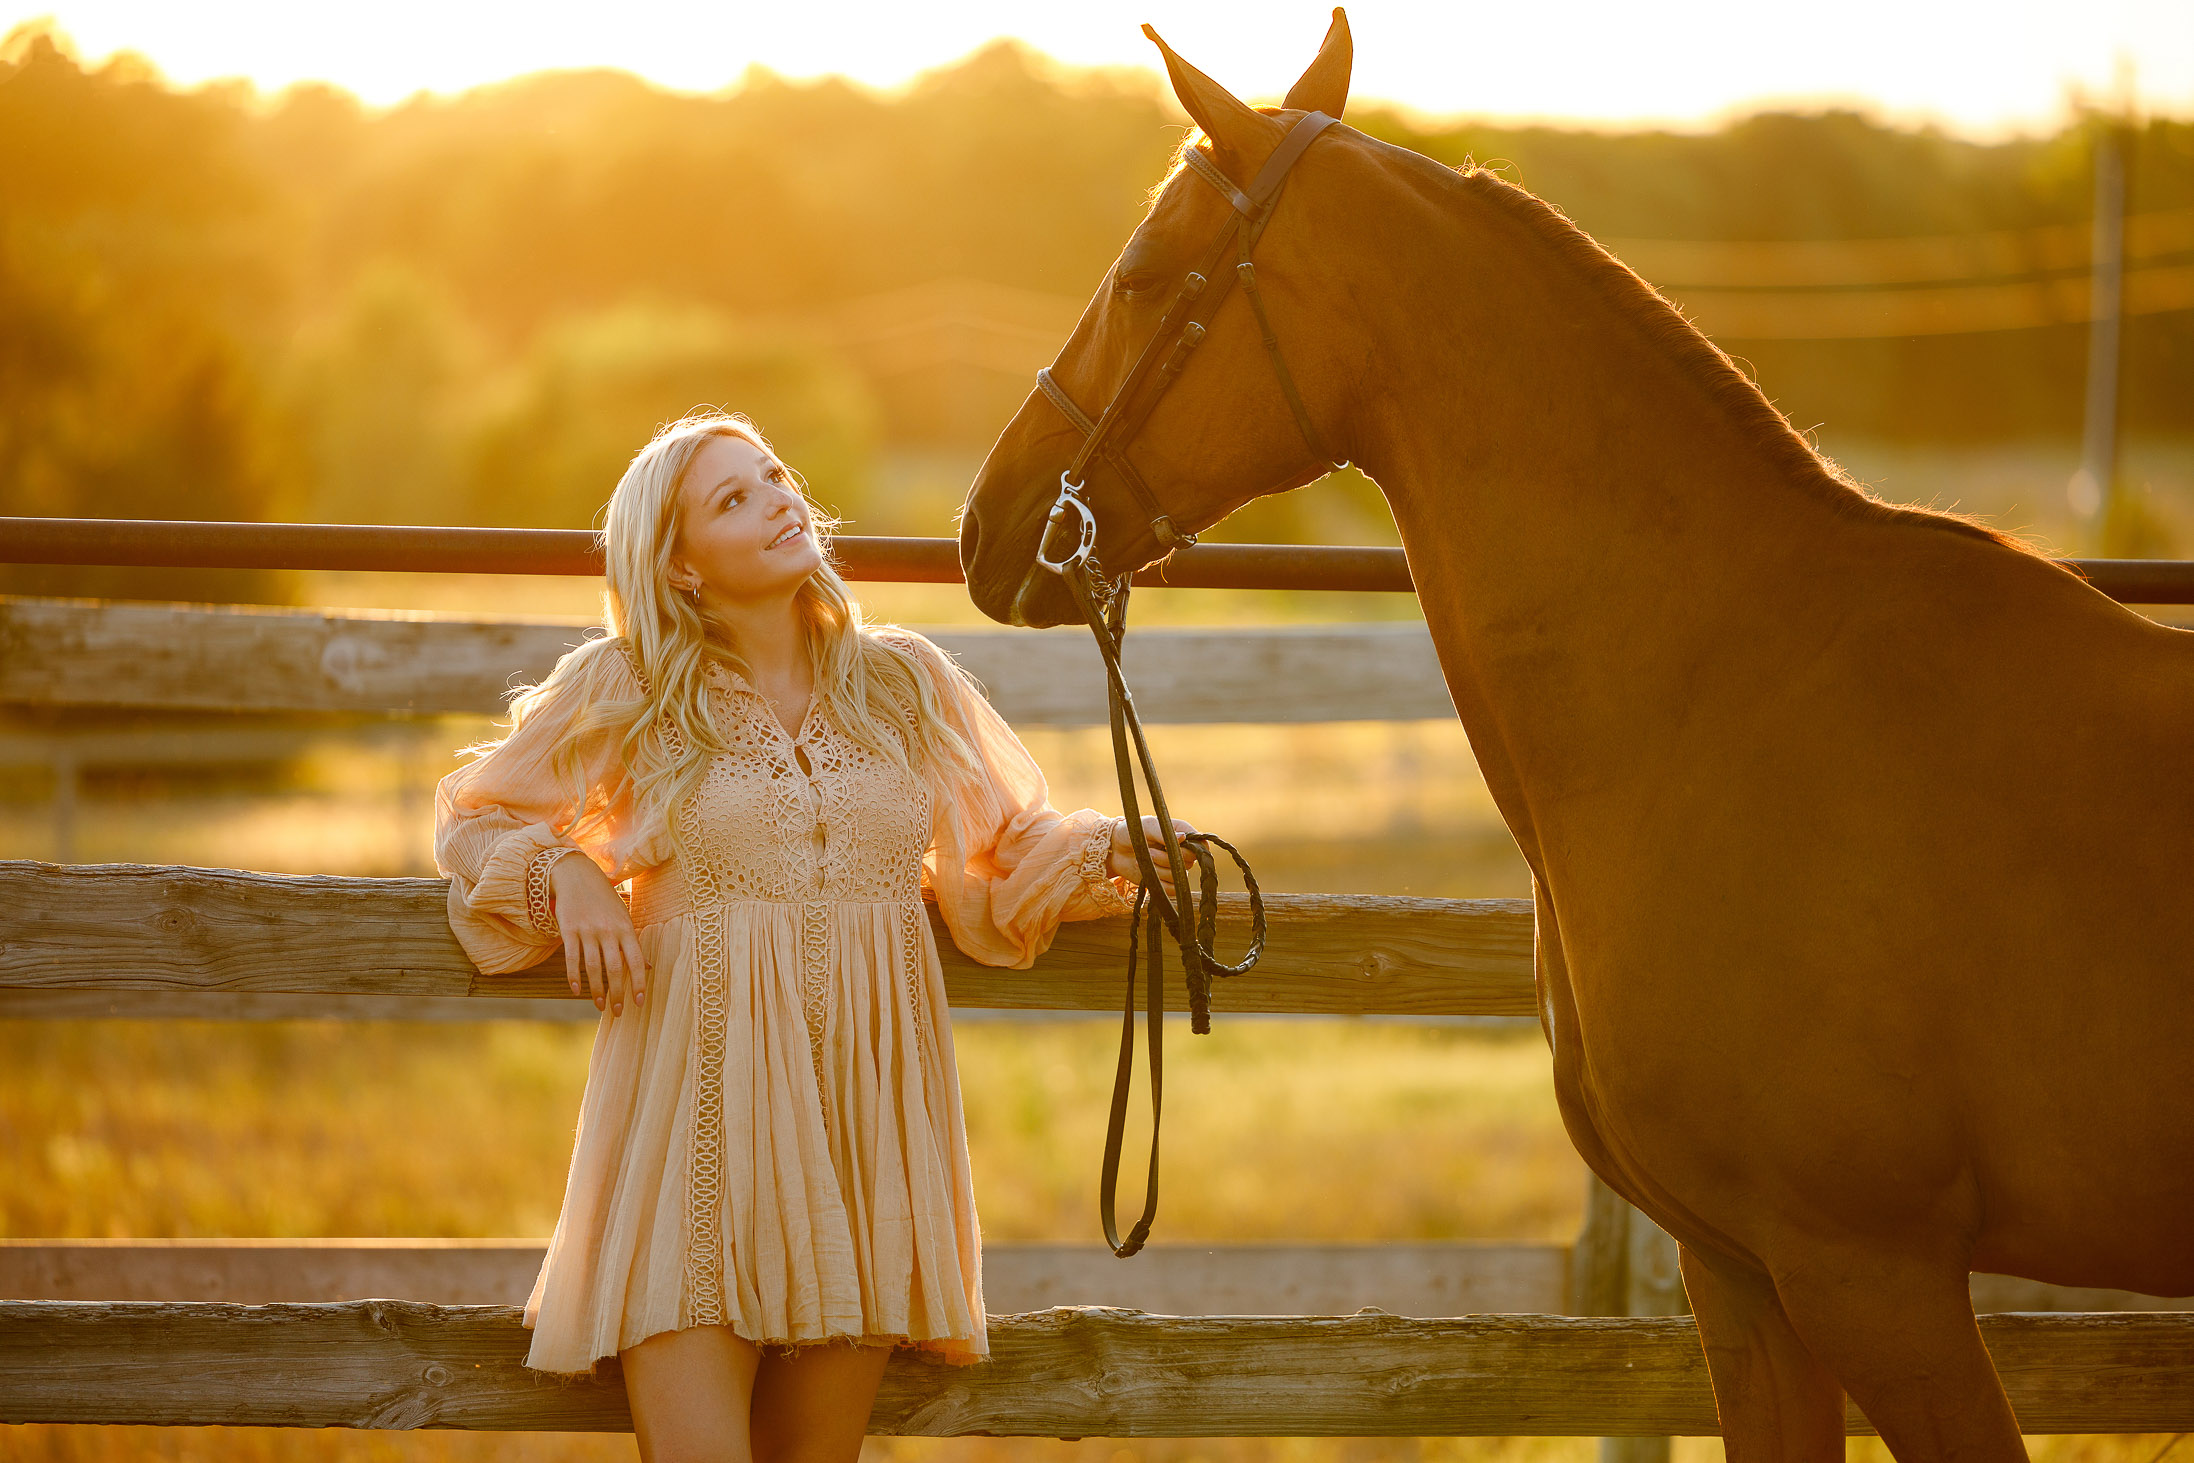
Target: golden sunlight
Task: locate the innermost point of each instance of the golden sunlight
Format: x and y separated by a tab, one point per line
1978	69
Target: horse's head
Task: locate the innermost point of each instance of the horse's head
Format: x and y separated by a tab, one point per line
1205	421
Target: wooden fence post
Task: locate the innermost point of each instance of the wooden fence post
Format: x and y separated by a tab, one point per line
1624	1265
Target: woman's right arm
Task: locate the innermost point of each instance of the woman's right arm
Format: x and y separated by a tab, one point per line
508	821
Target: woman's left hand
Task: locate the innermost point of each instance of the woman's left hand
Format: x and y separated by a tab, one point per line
1122	862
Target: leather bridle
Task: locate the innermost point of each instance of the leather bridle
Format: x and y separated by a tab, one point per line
1182	328
1193	914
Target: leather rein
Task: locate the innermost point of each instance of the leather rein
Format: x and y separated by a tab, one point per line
1193	915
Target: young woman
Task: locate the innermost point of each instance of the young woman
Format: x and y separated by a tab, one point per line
770	1187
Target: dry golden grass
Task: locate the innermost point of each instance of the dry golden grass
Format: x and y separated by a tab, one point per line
1278	1129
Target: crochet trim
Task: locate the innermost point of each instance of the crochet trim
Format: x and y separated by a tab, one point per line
1096	854
540	908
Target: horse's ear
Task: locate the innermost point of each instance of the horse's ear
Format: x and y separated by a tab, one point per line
1324	87
1231	126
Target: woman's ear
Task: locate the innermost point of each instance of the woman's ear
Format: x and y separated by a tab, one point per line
1324	87
1231	125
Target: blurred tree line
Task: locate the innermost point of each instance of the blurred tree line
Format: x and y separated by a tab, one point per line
215	304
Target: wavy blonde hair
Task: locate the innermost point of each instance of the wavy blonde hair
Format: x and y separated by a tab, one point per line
881	696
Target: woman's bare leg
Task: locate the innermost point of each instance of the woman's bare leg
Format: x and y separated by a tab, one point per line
812	1406
692	1393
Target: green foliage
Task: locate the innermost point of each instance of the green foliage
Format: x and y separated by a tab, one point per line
131	380
597	386
378	398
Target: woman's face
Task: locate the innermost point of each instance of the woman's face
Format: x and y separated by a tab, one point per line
744	533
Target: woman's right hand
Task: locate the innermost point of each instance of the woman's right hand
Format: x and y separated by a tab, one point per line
598	935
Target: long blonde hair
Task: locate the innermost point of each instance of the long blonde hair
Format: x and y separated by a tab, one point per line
876	693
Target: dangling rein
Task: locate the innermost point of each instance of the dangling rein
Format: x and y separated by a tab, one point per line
1192	918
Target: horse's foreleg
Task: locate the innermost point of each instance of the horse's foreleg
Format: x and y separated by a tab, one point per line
1899	1333
1777	1404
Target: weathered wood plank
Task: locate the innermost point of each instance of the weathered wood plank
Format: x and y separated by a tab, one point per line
240	658
1059	1373
201	658
127	926
1188	1280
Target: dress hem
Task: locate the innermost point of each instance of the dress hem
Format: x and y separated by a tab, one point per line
930	1350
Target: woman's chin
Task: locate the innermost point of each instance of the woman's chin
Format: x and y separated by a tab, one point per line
785	570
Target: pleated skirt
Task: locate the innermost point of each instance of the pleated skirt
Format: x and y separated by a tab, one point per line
773	1142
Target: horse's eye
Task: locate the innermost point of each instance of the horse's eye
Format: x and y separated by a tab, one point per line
1133	286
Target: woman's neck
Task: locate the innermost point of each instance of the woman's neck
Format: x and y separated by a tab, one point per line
770	636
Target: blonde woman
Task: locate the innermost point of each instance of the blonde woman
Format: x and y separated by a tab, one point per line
770	1187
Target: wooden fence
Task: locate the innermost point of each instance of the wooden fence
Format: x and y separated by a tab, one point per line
287	1333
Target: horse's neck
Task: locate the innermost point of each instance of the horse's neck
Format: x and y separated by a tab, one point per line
1598	540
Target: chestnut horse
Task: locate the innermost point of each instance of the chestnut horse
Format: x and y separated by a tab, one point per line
1861	838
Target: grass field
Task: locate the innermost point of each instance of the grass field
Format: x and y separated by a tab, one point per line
1280	1129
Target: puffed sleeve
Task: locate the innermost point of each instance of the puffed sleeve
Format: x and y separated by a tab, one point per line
1005	866
503	819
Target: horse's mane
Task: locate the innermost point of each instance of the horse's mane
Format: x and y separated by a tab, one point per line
1709	367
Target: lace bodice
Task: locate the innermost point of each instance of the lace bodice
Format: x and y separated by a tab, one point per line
851	826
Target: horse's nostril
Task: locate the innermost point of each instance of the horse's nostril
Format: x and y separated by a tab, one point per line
970	536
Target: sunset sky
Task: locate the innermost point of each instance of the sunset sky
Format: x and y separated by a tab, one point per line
1980	68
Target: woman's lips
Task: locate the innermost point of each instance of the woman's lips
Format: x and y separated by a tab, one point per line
796	532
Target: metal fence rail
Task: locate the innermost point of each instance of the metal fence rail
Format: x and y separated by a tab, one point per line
144	543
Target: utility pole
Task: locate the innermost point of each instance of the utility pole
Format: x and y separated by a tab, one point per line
2091	486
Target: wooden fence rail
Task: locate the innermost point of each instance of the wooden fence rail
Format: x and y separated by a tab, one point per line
133	927
1071	1373
577	552
193	658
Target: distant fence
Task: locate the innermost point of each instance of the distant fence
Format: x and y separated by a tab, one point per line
256	1332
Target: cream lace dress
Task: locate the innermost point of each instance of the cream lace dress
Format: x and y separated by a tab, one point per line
773	1142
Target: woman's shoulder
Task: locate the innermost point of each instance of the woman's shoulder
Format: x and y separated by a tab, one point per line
905	641
601	667
929	658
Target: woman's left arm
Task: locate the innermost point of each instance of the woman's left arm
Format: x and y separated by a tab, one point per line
1006	867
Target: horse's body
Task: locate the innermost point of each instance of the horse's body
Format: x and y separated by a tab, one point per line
1862	840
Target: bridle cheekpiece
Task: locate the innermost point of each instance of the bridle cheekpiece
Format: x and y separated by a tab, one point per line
1180	331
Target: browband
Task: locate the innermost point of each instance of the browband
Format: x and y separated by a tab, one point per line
1257	202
